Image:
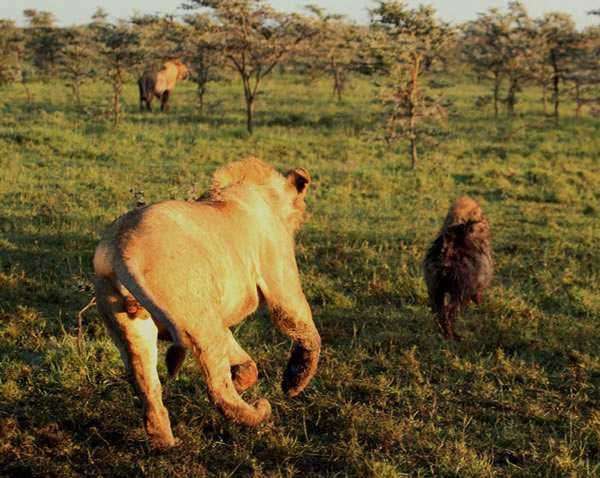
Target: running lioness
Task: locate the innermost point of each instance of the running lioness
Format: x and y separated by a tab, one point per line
188	272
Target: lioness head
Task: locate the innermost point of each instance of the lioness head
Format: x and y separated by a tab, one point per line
284	194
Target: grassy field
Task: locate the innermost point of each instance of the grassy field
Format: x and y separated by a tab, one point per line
519	396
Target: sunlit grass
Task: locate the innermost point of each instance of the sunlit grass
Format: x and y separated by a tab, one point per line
519	396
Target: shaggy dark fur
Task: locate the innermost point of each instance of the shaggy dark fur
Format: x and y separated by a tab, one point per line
146	85
458	266
159	83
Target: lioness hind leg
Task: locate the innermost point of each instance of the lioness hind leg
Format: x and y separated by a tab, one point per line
213	358
243	369
137	340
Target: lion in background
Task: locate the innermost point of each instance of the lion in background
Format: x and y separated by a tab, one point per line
187	272
161	83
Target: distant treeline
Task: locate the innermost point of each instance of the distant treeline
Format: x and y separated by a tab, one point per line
248	39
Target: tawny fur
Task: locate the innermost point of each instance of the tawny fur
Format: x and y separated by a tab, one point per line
160	84
458	265
190	271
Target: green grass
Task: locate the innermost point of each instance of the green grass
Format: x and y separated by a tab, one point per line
519	396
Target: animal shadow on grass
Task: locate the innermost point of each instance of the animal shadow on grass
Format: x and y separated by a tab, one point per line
49	272
187	118
66	425
336	120
65	431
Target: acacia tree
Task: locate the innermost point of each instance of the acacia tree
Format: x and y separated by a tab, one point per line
584	75
11	52
403	43
483	50
334	48
44	41
161	36
559	41
503	46
204	56
544	75
76	59
120	52
99	18
521	49
254	38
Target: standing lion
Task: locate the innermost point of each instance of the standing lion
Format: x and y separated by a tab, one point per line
161	83
188	272
458	266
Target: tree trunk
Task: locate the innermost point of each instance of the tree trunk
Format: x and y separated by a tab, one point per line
117	90
544	98
201	79
496	94
250	97
249	112
76	93
578	101
413	151
555	85
338	90
511	97
29	95
337	84
117	87
414	92
201	91
116	107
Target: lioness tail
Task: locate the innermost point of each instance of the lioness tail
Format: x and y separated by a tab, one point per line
174	359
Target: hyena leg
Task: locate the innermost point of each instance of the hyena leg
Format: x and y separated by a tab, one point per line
478	297
243	369
213	358
444	324
439	308
137	340
449	312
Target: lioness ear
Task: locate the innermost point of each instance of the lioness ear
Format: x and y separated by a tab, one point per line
299	178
